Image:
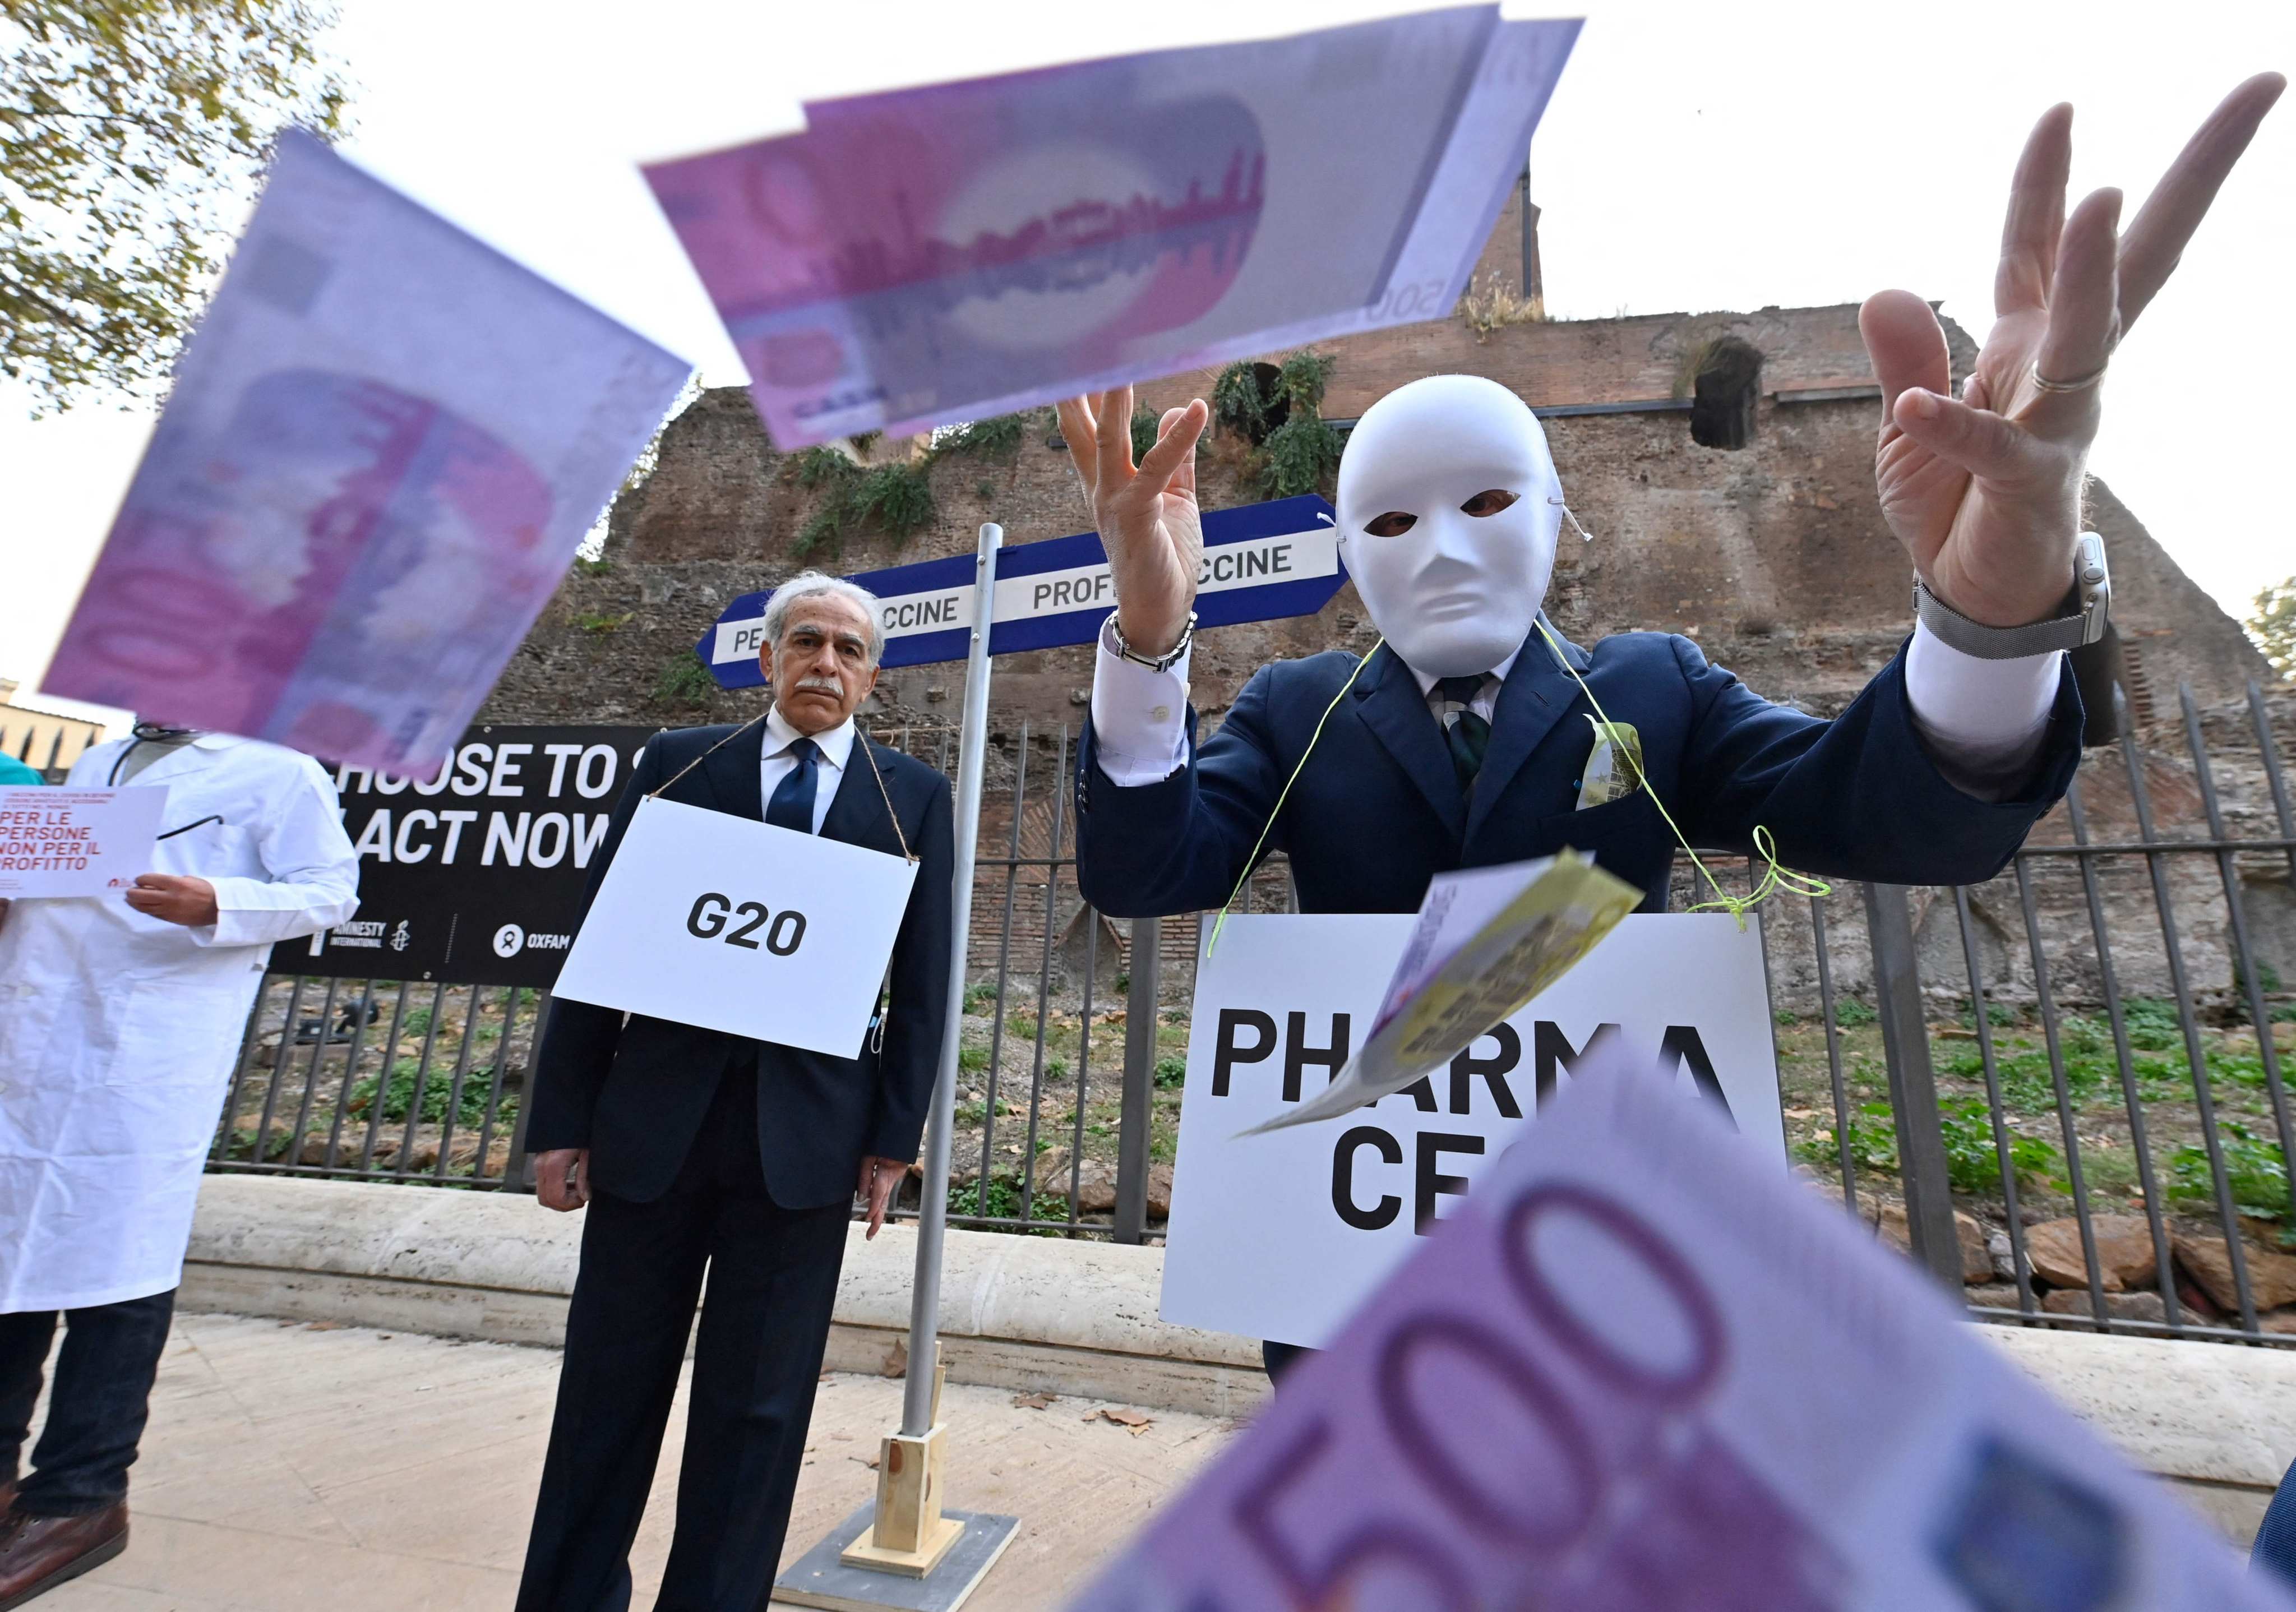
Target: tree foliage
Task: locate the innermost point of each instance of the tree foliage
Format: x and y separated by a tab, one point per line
131	134
2274	627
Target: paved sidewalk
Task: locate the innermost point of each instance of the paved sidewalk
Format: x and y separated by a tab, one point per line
292	1467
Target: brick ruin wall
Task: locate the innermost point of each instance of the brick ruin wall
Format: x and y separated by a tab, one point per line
1774	556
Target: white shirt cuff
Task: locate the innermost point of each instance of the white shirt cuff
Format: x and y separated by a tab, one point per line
1139	718
1984	721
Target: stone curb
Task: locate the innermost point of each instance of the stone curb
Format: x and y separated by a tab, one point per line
1076	1318
1028	1312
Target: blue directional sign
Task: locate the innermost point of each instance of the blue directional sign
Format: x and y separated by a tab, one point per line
1262	562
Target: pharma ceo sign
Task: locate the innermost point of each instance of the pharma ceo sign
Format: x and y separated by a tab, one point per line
474	875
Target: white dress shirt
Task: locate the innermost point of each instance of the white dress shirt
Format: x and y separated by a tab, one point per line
836	749
1982	720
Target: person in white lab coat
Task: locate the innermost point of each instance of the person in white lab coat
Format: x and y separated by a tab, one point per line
120	1020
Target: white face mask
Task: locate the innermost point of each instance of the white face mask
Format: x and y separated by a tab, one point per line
1448	509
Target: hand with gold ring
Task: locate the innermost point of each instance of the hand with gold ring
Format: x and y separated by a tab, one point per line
1985	490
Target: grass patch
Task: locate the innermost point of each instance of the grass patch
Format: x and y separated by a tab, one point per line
1172	1072
2254	1168
2152	1023
399	1098
1001	1201
1971	1164
1873	1143
1491	304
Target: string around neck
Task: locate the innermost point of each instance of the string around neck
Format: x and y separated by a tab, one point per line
1775	877
1220	922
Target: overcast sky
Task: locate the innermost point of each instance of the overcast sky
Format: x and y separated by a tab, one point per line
1697	156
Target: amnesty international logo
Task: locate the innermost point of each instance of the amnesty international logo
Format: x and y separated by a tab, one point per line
399	938
509	940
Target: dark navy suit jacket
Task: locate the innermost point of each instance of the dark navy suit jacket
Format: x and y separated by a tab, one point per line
1379	811
635	1091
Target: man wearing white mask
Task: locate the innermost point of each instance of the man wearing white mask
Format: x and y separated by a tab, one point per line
120	1018
1467	740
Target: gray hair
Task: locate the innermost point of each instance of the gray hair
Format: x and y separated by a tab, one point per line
813	585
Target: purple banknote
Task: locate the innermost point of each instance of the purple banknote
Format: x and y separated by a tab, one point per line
382	447
947	253
1643	1370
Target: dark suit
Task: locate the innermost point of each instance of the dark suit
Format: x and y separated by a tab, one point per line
712	1152
1380	811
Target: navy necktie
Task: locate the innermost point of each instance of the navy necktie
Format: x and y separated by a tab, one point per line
1467	735
792	806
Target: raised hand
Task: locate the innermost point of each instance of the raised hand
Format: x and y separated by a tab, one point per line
1985	491
1146	517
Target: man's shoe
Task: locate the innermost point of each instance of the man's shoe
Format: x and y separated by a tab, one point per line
38	1553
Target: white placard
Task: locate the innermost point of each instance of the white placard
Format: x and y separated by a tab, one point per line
732	924
1281	1236
75	842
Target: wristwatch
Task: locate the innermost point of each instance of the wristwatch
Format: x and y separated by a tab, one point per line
2079	620
1154	663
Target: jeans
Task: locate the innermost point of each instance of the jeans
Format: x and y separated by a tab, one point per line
101	1400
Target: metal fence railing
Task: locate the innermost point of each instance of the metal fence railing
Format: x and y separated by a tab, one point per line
2062	1091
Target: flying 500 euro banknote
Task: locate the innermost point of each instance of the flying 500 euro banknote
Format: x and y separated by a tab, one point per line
1643	1370
948	253
384	443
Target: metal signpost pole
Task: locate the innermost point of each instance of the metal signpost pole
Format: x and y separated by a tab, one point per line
903	1552
917	1406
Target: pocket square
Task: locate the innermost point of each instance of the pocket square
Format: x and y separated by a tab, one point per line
1614	766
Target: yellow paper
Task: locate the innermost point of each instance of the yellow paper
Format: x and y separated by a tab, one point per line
1614	768
1434	1012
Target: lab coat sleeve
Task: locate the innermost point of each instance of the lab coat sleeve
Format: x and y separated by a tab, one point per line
310	873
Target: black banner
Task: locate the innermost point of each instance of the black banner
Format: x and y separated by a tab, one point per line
474	876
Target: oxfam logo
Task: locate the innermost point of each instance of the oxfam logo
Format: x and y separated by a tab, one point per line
509	940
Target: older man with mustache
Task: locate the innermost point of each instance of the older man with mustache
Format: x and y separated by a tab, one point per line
695	1150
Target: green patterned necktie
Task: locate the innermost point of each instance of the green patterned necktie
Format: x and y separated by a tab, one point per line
1467	735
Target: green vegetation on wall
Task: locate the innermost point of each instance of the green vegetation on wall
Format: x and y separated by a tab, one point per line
895	499
684	681
1293	451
